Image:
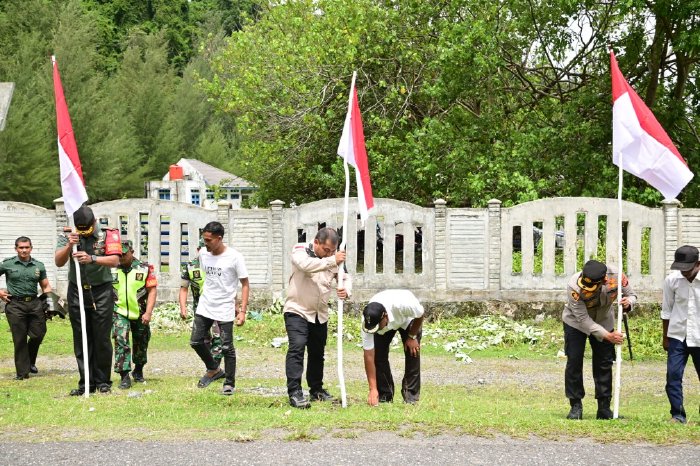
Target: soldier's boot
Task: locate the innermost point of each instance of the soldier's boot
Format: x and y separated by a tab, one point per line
137	374
604	411
576	411
126	380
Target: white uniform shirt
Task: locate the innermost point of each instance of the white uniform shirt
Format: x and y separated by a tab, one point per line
401	307
221	276
681	307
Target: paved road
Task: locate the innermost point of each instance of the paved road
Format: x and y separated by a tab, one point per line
376	449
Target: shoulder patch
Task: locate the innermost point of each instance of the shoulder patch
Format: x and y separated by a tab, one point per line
574	295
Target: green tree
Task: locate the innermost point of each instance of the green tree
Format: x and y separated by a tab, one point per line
465	100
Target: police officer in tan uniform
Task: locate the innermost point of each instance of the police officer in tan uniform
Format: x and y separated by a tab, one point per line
589	314
25	311
314	268
98	251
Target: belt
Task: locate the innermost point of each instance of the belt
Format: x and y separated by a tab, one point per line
26	299
87	287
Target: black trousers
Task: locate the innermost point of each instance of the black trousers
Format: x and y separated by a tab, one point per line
410	386
603	359
99	305
28	326
303	334
200	333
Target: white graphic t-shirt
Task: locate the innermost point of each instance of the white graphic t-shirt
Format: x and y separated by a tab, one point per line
221	276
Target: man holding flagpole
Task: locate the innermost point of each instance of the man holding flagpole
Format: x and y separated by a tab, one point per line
588	315
314	268
97	252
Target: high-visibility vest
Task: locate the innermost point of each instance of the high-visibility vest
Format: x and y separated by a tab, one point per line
130	288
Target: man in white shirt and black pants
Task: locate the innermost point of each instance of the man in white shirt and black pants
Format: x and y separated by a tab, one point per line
680	314
223	268
390	311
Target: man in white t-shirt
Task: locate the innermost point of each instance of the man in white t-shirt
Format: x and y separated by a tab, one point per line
223	268
390	311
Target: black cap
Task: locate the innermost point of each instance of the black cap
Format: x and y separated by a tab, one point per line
685	258
592	274
83	218
371	316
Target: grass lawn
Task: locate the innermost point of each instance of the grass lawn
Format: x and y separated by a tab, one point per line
512	388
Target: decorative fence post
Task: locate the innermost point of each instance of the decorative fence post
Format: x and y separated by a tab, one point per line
672	233
277	248
494	247
61	222
223	216
440	244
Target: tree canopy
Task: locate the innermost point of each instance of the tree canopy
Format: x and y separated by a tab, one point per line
465	100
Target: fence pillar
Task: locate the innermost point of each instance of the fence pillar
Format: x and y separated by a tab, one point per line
494	252
440	244
277	248
61	222
223	216
672	230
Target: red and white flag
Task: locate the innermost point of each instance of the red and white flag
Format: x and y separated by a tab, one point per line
72	183
646	150
352	149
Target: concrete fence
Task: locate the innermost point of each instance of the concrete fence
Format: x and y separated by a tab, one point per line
523	253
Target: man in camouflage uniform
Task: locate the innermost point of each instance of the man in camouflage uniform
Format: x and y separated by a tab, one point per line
25	311
589	315
192	275
98	250
135	288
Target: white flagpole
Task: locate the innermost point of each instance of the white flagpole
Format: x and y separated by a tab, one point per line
83	328
618	348
341	271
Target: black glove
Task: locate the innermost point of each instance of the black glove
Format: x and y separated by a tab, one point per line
45	306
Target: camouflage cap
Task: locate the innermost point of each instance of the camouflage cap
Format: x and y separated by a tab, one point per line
127	246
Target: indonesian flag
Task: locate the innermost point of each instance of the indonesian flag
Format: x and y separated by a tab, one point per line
352	149
72	184
639	140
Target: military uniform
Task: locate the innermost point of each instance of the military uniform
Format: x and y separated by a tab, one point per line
25	311
192	275
589	314
98	296
130	286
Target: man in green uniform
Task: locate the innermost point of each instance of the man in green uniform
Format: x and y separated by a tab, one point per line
97	252
24	310
135	286
193	278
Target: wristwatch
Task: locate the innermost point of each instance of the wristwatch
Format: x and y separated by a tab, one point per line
93	258
412	337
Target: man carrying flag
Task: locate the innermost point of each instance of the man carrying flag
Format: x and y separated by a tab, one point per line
90	295
98	252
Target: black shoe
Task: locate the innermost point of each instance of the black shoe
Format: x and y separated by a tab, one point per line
77	392
604	411
576	411
298	400
104	388
138	376
125	383
33	369
21	377
321	395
